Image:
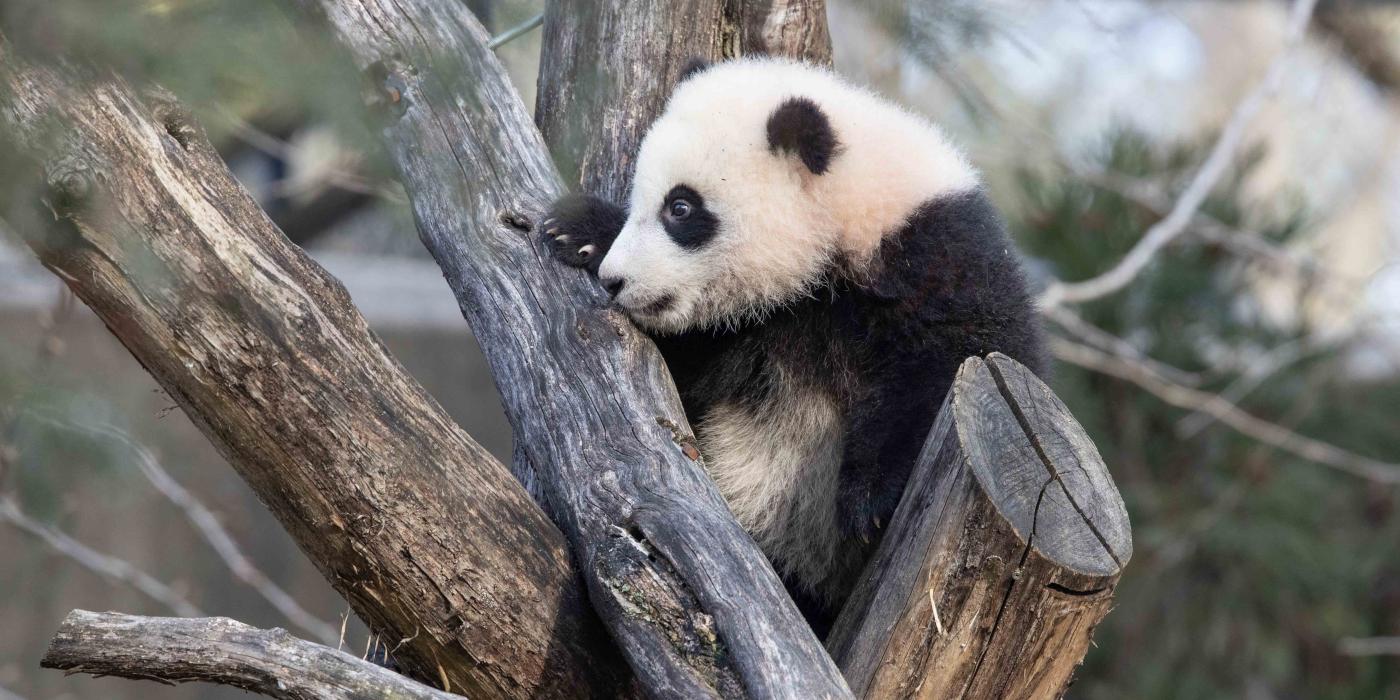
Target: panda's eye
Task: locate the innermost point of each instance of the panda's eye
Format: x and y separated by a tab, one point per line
680	209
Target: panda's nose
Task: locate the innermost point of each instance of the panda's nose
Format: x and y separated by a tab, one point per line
613	285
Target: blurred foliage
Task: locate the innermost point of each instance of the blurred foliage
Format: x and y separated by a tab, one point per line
248	57
1250	564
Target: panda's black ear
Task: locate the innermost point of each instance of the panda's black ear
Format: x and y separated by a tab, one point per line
799	126
695	65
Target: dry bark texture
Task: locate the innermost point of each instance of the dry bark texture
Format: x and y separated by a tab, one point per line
793	28
608	67
175	650
1002	556
691	600
429	538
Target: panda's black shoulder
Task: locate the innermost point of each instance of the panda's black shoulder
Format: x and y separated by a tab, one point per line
952	274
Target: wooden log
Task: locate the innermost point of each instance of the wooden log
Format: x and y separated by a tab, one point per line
607	67
174	650
686	593
427	536
1001	558
792	28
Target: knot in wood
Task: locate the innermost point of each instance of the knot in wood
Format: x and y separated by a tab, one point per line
388	94
516	220
71	184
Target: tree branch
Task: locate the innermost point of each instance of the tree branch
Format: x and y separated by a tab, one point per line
1222	410
1214	166
205	522
106	566
685	591
427	536
173	650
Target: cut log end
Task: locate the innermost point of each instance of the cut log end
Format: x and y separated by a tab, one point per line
1039	468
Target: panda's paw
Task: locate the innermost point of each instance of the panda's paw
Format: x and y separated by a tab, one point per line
865	510
579	230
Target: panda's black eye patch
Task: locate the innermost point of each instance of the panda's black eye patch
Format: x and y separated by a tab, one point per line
686	219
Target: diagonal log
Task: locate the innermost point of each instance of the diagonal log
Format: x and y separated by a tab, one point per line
218	650
427	536
683	589
1002	556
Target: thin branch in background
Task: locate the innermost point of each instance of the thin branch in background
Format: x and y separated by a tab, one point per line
108	567
1227	413
1243	243
208	526
1255	374
1220	157
515	32
1107	342
1369	646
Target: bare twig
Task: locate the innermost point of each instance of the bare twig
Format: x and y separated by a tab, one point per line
1255	374
515	32
224	651
1369	646
1243	243
108	567
206	523
1205	179
1222	410
1108	342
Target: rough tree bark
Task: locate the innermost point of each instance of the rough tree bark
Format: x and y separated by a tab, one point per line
1001	558
428	537
608	66
690	598
219	650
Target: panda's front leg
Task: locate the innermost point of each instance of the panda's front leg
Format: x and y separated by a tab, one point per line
872	476
580	229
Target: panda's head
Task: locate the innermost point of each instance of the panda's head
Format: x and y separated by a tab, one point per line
759	175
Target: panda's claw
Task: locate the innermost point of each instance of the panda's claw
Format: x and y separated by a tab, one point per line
587	251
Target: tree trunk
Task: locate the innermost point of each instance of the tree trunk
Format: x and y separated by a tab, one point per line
427	536
691	600
1001	558
607	67
219	650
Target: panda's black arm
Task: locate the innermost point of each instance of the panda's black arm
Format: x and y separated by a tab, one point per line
952	288
580	229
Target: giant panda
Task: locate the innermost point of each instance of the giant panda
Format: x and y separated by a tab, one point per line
814	263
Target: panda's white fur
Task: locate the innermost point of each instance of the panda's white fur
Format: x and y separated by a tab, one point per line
712	136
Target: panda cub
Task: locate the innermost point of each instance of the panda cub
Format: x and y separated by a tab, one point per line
814	264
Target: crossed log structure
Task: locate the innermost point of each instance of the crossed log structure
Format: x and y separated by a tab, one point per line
1000	560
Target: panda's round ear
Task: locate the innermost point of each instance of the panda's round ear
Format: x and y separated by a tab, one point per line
799	126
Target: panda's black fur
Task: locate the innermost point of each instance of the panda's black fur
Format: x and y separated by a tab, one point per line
883	341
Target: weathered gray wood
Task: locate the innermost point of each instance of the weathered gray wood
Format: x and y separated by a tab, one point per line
689	597
793	28
174	650
607	67
427	536
1001	558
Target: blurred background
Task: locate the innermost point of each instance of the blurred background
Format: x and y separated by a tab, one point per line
1244	387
